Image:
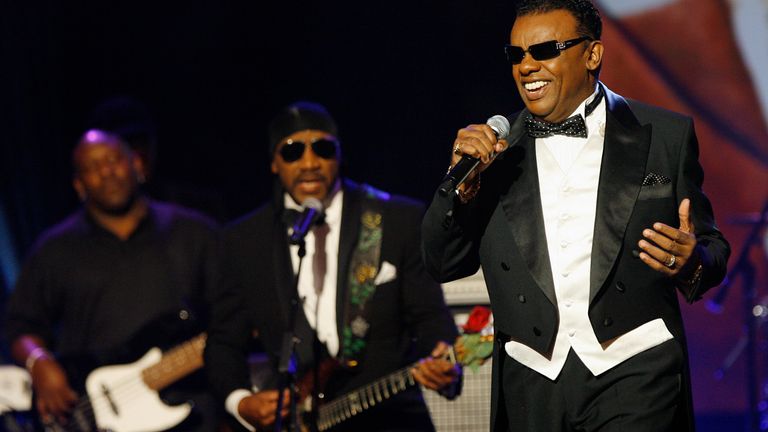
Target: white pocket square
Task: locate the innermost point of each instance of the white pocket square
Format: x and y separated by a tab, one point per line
387	273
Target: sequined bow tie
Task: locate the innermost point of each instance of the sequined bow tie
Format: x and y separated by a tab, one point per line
572	126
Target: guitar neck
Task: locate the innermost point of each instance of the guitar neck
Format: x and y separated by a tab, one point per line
363	398
175	364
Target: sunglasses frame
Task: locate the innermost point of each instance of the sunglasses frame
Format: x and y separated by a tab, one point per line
547	50
292	142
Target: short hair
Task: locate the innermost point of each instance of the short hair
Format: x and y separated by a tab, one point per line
98	135
588	21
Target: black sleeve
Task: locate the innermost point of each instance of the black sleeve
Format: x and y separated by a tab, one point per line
712	246
31	304
229	330
427	315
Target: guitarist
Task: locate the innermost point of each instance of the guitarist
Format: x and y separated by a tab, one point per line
103	273
364	292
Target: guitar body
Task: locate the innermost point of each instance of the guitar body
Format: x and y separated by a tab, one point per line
123	402
120	391
15	388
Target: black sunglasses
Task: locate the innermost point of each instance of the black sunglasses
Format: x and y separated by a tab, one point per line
541	51
294	149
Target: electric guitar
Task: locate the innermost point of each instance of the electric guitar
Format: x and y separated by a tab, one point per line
125	397
346	406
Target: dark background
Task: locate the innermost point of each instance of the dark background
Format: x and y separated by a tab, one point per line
399	81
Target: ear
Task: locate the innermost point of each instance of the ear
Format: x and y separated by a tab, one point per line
273	166
80	189
595	55
140	168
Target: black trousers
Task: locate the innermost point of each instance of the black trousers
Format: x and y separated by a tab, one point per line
642	394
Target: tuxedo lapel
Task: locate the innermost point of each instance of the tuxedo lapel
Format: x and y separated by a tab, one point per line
625	156
522	206
350	230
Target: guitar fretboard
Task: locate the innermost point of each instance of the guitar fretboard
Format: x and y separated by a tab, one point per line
366	397
175	364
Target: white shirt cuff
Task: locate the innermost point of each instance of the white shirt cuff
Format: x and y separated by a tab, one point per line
231	404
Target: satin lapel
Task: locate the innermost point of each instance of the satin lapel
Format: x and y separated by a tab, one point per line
350	230
522	205
625	155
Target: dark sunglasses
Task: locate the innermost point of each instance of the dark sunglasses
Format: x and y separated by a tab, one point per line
294	149
541	51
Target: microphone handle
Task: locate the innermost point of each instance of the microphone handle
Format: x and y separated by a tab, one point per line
458	174
303	225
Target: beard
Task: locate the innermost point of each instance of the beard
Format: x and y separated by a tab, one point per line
119	209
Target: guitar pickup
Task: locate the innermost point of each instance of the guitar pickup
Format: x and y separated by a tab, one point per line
105	392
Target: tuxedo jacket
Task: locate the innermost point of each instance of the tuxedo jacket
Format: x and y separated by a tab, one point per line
502	229
407	314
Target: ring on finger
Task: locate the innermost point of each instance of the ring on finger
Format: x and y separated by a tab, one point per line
670	263
457	148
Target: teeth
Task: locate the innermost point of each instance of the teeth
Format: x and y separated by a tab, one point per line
535	85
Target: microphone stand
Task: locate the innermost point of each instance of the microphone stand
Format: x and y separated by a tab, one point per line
747	343
287	363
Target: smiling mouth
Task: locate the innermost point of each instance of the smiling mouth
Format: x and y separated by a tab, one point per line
535	85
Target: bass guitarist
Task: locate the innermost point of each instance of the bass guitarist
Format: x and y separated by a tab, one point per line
105	272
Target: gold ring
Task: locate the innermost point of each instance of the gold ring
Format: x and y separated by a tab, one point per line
671	261
457	148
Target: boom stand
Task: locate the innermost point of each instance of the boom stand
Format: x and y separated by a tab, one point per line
287	365
747	344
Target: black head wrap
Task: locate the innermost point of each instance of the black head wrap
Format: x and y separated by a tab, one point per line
299	116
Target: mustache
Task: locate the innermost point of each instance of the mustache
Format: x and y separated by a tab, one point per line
310	177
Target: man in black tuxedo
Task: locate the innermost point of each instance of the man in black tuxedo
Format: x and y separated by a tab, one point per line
590	217
363	295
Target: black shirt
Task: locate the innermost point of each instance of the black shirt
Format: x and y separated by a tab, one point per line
84	290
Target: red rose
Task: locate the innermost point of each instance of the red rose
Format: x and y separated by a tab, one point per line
477	320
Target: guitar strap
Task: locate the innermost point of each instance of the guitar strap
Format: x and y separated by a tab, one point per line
364	266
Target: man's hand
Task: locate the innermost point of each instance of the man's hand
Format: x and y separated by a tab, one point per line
478	141
668	250
435	372
54	397
259	409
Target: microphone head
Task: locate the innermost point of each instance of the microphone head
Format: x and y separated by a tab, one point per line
500	125
313	203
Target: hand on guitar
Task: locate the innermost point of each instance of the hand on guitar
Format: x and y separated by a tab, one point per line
259	408
54	397
437	372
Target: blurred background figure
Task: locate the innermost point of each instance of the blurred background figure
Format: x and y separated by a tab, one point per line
121	275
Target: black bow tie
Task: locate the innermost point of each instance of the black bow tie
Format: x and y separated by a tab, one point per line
573	126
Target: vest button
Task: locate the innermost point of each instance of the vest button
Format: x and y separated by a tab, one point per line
505	266
620	286
521	298
607	322
536	331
